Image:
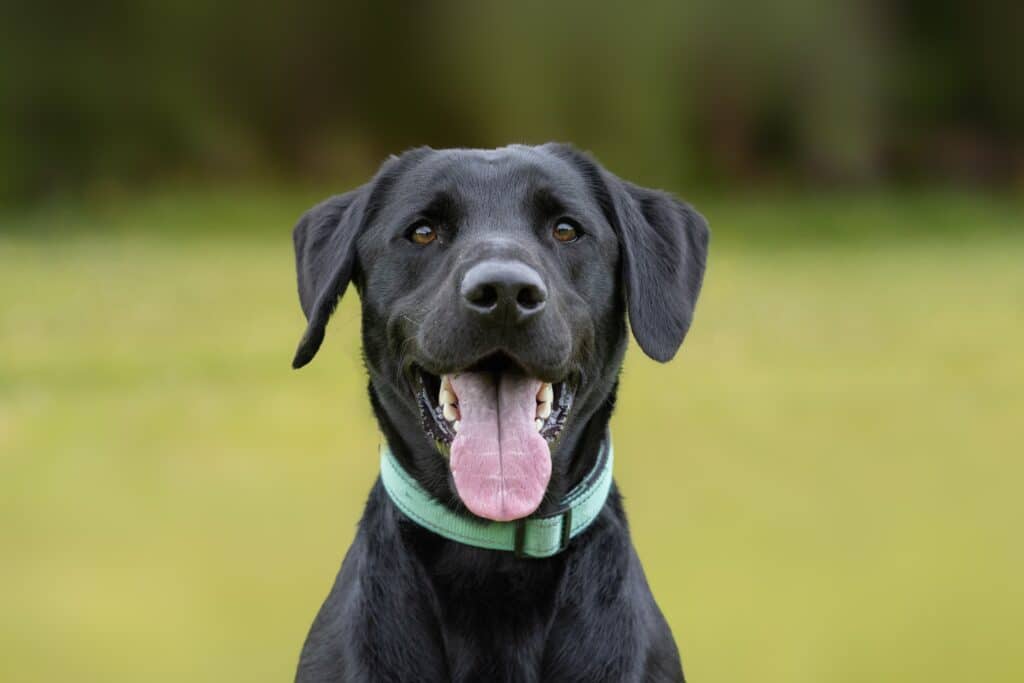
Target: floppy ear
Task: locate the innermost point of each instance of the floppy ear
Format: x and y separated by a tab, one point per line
324	257
664	249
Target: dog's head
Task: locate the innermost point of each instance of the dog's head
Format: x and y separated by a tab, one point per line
495	286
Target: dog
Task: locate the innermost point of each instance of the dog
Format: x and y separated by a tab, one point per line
495	287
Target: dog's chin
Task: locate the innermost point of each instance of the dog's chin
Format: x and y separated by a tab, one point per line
496	425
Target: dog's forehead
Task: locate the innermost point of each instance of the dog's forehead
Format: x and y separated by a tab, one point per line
490	174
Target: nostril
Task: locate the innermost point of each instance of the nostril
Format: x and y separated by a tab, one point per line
531	298
483	296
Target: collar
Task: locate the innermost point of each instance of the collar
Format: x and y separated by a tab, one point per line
534	536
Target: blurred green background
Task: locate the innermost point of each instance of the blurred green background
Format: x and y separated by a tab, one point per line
824	486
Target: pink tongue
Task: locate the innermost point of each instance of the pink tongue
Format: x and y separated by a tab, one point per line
500	464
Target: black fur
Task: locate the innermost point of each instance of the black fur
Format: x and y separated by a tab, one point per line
407	604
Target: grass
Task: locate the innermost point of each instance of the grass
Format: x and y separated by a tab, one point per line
824	486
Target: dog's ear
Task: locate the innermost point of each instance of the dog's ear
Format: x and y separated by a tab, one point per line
664	248
324	258
325	247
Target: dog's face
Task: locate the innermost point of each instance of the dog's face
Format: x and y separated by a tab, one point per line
495	286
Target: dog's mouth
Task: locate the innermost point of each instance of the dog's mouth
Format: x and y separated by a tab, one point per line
440	407
497	426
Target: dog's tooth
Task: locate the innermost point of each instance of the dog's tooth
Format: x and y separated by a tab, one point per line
450	413
539	424
455	426
545	394
544	410
445	396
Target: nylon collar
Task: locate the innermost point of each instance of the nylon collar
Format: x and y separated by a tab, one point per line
541	536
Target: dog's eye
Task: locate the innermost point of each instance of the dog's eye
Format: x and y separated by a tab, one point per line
566	231
422	233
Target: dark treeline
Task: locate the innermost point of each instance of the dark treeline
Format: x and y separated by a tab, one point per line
129	92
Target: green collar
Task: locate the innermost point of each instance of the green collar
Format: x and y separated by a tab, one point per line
530	537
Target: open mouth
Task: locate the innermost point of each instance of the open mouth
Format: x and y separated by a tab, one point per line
439	403
496	425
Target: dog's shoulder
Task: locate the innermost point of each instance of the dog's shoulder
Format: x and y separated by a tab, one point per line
380	615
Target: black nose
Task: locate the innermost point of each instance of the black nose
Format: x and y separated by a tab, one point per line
503	291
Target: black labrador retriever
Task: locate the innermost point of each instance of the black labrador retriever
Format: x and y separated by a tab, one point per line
495	286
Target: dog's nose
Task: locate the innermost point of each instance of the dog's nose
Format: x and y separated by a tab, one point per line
505	291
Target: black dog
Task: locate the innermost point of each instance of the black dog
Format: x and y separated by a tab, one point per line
495	287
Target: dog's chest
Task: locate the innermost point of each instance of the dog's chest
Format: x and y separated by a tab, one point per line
494	653
496	628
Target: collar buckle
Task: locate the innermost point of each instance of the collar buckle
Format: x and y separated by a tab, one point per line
565	514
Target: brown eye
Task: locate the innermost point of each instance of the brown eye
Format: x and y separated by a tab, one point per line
423	233
566	232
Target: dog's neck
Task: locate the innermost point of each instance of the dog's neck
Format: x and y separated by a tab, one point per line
519	587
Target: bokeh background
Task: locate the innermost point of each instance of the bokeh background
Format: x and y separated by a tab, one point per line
825	485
